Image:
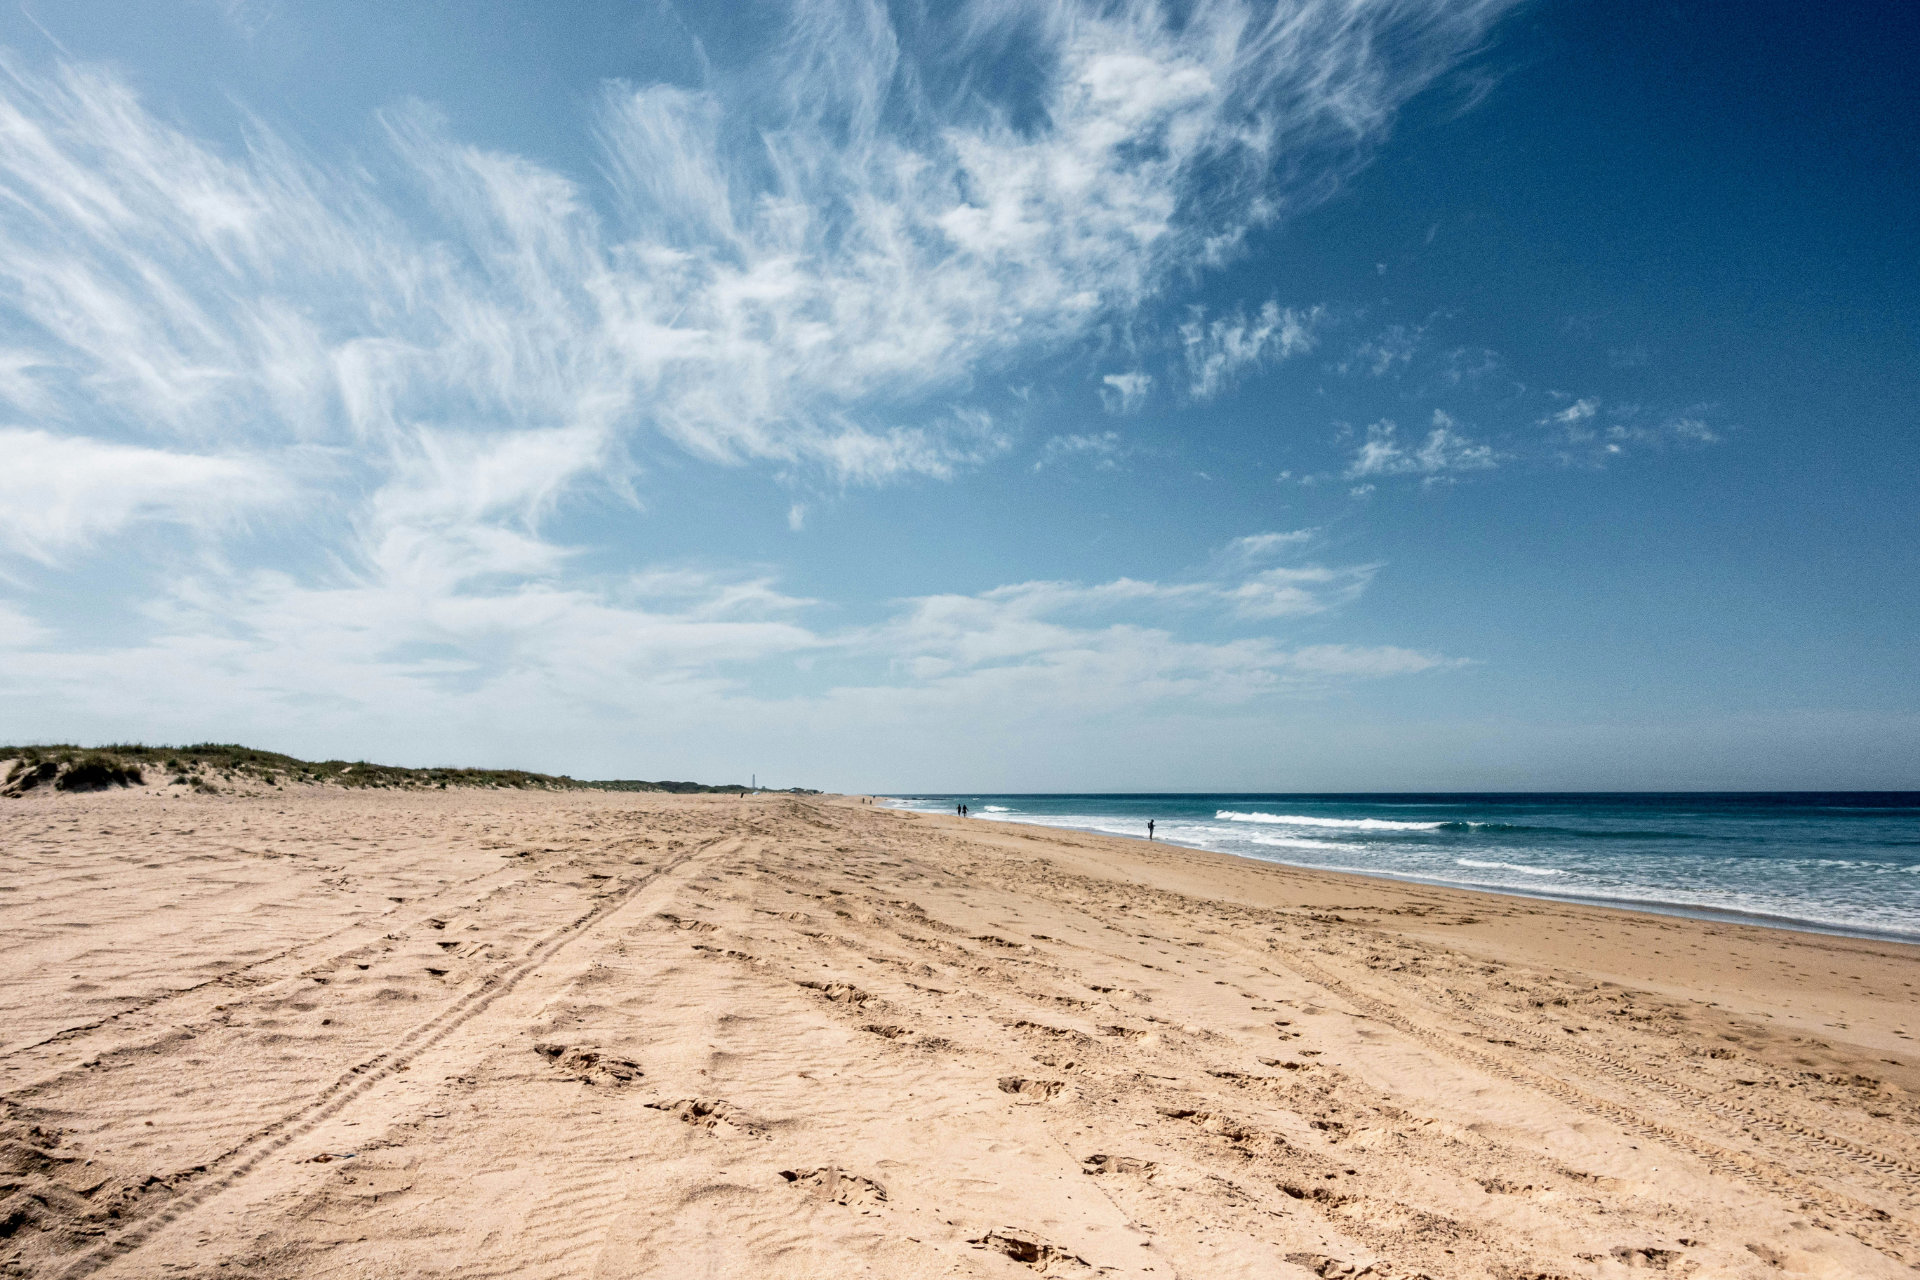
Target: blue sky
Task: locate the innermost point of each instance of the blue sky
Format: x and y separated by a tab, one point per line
992	396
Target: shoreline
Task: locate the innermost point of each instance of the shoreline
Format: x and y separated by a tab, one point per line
1673	909
311	1032
1492	909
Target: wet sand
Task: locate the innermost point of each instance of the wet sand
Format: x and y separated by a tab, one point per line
315	1032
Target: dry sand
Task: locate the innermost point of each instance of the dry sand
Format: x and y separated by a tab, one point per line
315	1033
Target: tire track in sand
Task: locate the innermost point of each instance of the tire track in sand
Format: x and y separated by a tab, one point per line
1790	1119
236	1164
1893	1174
248	979
1870	1225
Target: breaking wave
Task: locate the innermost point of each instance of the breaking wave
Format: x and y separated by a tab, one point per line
1509	866
1344	824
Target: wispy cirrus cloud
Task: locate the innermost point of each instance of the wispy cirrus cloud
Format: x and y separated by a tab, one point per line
1587	432
1389	351
1443	451
1105	449
1258	548
61	494
1122	640
793	303
682	647
1035	617
810	265
1581	432
1125	392
1218	351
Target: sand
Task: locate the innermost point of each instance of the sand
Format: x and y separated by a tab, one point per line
317	1033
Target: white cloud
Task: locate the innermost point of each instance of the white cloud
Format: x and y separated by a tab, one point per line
1572	420
1117	642
1691	430
1218	350
1126	391
687	648
438	348
1105	448
472	318
1364	662
1296	592
60	494
748	304
1390	349
1444	450
1583	438
1258	547
18	631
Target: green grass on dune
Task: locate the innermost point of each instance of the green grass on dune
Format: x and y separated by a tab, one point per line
207	766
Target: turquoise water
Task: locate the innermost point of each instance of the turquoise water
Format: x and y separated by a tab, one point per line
1844	862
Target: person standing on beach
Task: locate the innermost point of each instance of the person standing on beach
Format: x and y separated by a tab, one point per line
1149	828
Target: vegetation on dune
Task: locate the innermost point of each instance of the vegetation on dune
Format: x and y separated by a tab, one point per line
680	788
67	769
208	766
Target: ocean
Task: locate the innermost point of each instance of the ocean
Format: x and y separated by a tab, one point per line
1837	862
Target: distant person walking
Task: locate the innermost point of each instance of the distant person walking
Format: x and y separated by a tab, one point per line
1149	828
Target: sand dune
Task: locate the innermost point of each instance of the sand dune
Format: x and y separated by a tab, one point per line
310	1033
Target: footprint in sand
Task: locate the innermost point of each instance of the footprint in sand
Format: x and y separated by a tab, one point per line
833	1185
1029	1249
1032	1090
372	1182
1646	1257
716	1115
1502	1187
1339	1269
590	1066
1062	1033
1318	1195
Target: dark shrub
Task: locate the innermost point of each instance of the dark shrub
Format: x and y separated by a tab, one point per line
29	773
97	773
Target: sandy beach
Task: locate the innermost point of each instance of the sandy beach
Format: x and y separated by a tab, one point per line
313	1032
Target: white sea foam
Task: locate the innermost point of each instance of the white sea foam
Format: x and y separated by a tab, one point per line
1345	824
1869	888
1510	866
1301	842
